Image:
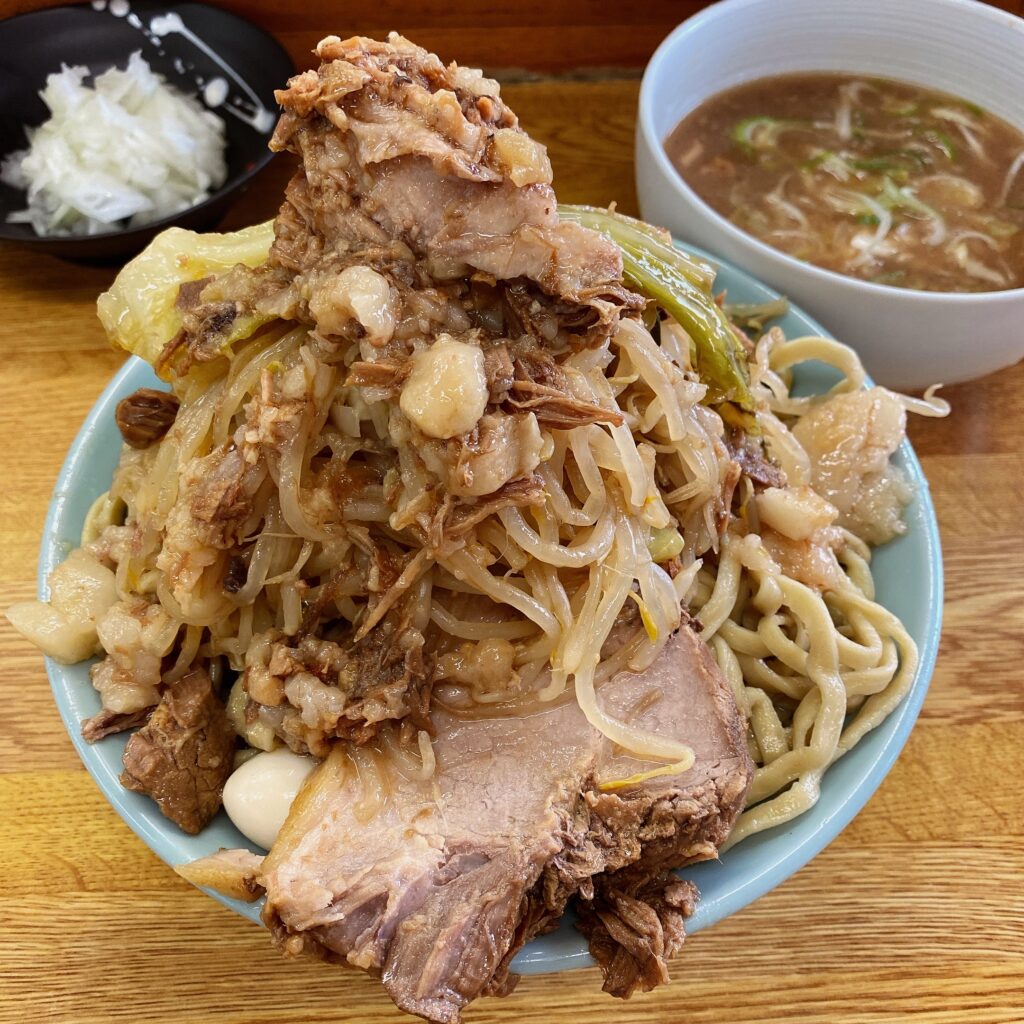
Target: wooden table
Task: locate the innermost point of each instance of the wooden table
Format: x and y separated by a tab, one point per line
915	912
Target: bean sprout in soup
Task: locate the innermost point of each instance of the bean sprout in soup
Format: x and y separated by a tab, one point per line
888	182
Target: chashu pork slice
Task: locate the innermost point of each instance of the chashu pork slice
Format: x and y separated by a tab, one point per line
437	890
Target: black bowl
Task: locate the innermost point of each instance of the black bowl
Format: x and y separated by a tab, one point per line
214	44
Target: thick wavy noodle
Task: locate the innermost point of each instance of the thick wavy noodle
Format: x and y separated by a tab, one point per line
813	670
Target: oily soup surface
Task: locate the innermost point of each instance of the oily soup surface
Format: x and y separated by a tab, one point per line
881	180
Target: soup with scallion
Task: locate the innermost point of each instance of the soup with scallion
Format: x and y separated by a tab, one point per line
881	180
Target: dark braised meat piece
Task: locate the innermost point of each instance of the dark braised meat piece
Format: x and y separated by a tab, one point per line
145	416
633	931
184	754
189	293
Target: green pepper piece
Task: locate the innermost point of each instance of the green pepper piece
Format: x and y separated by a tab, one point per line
681	284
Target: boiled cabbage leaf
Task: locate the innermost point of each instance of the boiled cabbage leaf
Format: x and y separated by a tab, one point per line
138	311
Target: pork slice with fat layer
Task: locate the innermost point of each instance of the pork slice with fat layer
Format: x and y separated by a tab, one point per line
438	887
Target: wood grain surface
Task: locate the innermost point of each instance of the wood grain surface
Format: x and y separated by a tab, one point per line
536	35
915	913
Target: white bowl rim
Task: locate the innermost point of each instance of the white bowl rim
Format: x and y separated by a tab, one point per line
645	120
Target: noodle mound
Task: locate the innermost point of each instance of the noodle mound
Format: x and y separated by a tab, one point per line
415	464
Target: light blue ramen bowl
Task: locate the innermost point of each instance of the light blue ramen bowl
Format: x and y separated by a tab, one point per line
908	574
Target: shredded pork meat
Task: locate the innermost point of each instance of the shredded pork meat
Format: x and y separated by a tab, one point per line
312	691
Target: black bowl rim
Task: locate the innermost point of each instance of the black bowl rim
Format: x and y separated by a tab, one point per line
231	185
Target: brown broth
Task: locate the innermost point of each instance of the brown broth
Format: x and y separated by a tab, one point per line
881	180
